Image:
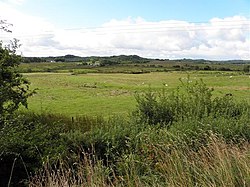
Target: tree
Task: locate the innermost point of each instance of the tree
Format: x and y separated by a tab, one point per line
14	88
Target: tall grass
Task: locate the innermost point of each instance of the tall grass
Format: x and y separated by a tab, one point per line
215	164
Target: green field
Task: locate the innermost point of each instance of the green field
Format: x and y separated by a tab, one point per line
87	126
113	93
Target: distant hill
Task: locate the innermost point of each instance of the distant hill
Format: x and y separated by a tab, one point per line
122	59
72	58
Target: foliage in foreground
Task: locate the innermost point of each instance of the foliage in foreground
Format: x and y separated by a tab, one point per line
215	164
205	143
14	88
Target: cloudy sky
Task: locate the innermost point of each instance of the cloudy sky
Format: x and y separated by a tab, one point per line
209	29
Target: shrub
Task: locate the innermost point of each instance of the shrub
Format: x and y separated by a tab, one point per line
28	140
154	109
188	101
246	69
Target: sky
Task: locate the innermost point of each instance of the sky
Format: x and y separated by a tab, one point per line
165	29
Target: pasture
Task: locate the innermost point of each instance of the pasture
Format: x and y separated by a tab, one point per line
190	138
113	93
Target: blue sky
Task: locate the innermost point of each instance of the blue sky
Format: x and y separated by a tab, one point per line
87	13
211	29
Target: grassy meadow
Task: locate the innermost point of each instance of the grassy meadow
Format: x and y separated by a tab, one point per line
113	93
129	125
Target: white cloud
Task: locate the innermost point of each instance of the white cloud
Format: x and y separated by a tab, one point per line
226	38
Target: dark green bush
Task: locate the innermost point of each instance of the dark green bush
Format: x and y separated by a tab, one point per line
107	142
188	101
154	109
31	139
